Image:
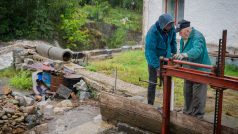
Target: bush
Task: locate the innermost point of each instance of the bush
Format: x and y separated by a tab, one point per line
118	38
22	80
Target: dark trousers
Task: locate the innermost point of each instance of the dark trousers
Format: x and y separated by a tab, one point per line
195	95
151	88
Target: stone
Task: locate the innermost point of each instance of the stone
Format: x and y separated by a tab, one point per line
29	101
4	117
14	116
15	102
9	110
1	122
21	100
58	110
6	90
65	103
20	119
2	112
24	67
31	120
28	61
48	110
31	132
19	114
18	130
29	109
42	127
9	115
13	123
41	105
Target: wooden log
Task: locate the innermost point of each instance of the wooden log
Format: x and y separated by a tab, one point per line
120	109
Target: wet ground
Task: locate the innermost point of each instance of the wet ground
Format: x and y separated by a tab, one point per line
71	119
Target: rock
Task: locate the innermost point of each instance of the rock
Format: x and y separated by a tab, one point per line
13	123
41	128
18	130
19	114
29	109
6	90
20	119
4	117
41	105
58	110
2	112
65	103
15	102
1	122
31	120
9	115
21	99
29	101
14	116
24	67
9	110
31	132
28	61
48	110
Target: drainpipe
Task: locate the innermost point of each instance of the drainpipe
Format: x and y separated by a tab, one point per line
54	53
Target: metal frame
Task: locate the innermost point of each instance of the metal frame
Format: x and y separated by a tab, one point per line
215	79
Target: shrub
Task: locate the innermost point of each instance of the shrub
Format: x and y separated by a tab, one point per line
22	80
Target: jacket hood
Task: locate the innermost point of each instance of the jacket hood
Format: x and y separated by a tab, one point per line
164	20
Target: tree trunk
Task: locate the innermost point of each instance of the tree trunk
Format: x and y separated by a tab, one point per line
120	109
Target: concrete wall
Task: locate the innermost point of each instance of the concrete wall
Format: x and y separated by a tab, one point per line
208	16
152	11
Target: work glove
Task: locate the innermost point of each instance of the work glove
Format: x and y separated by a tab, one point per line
180	56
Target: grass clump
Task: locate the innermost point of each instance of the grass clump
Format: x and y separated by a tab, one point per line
8	72
22	80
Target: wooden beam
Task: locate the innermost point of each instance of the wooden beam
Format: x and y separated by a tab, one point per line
120	109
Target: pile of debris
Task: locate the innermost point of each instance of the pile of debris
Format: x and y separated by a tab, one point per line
17	112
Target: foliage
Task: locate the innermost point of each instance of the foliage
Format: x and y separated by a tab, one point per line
69	21
22	80
124	18
72	27
118	38
8	72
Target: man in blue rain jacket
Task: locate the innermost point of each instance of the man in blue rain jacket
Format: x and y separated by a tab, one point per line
193	49
160	41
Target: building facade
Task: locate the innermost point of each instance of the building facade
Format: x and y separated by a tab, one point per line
208	16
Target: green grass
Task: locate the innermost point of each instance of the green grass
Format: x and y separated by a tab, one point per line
130	66
231	70
8	72
18	79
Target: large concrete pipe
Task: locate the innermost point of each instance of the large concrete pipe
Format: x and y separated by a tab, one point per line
54	53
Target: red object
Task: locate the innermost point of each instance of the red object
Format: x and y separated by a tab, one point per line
216	79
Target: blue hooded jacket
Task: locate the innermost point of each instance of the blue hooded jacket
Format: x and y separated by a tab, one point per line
158	43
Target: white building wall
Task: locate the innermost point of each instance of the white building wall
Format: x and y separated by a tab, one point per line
208	16
212	16
152	11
